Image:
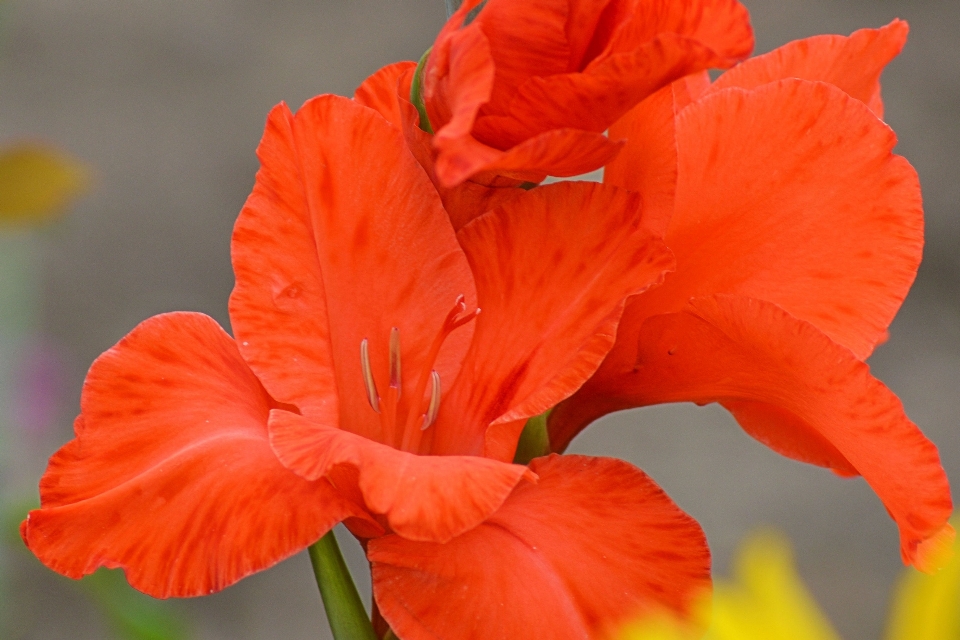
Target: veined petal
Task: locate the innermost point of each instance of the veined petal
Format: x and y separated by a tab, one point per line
380	91
723	26
525	38
387	91
648	162
470	199
853	63
790	193
589	25
342	239
635	48
595	98
427	498
453	102
278	305
463	202
515	72
553	268
465	63
561	152
800	393
593	544
171	475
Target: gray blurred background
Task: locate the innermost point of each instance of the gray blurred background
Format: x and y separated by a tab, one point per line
166	102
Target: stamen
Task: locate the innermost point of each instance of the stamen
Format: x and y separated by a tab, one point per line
412	416
372	396
395	360
434	408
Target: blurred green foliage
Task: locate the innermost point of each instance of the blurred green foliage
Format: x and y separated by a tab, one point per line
131	614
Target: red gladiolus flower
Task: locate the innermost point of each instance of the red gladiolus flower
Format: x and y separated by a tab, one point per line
364	384
526	89
797	234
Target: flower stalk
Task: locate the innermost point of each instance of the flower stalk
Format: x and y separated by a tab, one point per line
348	619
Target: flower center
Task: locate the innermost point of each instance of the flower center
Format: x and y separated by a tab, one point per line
421	412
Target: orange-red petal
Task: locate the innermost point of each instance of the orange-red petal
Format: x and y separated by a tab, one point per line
171	475
853	63
278	305
790	193
592	545
648	162
643	45
426	498
470	199
458	80
553	268
528	38
592	100
797	391
487	89
343	238
560	152
380	91
387	91
723	26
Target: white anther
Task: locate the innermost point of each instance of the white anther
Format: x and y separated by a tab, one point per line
372	396
434	408
395	360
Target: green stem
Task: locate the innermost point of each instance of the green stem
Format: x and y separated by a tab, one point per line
416	92
345	613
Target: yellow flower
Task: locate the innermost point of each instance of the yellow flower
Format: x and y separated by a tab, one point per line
37	183
768	601
927	606
659	627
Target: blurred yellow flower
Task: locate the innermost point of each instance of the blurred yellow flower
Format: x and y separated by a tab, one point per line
664	627
927	606
768	601
37	183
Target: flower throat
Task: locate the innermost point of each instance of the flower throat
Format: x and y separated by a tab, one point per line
422	412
